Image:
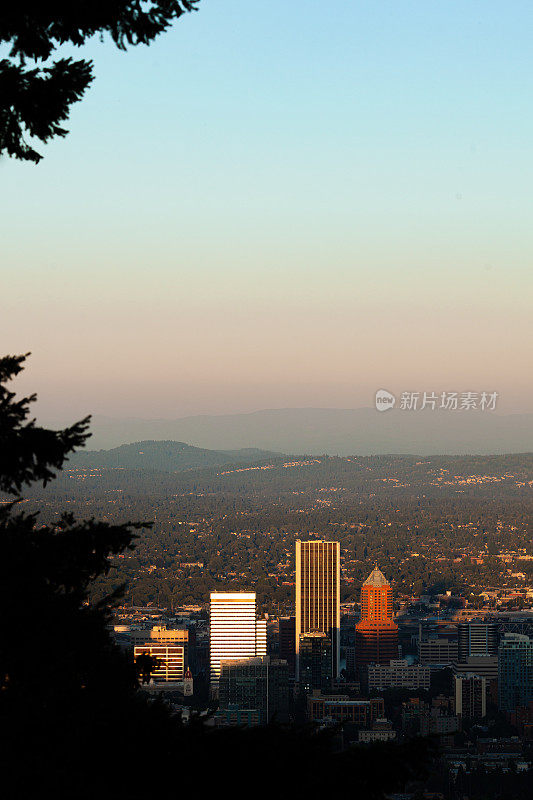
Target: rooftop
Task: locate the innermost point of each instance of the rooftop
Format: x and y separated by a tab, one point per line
376	578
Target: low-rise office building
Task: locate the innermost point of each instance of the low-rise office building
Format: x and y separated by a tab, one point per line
398	674
437	650
381	731
160	664
340	708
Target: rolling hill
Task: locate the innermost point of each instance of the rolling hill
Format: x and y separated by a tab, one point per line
164	456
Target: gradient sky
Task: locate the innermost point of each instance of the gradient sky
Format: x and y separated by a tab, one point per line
282	204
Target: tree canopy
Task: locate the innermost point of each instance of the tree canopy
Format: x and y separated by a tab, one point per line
37	85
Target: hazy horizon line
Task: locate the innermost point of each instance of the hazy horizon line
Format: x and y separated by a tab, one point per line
301	408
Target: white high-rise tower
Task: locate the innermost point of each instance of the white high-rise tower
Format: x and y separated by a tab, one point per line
236	633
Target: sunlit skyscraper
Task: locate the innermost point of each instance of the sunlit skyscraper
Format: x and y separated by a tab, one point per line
318	595
376	634
235	631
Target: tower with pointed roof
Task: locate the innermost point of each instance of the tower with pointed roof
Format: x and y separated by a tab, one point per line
376	634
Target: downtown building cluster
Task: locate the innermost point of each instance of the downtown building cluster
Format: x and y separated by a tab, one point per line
328	664
251	686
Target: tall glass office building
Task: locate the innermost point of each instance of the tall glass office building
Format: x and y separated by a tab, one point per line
318	595
515	671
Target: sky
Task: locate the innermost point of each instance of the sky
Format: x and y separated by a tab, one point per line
282	205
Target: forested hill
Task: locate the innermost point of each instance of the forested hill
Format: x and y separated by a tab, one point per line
165	456
174	469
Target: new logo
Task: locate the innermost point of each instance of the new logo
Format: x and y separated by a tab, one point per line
384	400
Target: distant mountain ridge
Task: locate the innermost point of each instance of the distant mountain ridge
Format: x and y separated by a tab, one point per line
316	431
164	456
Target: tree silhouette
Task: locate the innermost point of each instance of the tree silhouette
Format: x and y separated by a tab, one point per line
35	100
145	664
60	674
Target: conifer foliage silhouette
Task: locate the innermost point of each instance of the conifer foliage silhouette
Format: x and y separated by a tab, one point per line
37	88
73	721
